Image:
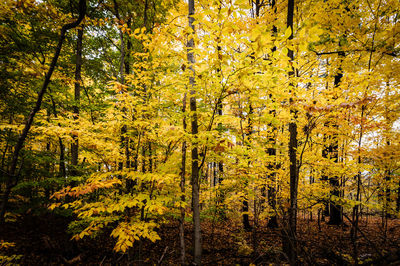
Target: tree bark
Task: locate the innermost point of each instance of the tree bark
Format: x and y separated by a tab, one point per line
62	168
182	186
77	94
398	198
220	192
273	221
122	65
335	214
291	241
245	207
195	155
12	176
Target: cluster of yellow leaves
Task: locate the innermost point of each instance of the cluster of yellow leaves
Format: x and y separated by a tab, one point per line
94	226
94	184
5	245
127	233
8	259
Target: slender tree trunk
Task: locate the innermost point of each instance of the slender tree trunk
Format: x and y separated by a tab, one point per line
48	164
273	221
48	168
387	194
144	158
127	62
332	151
389	123
195	155
291	231
136	157
355	214
245	207
122	65
182	185
77	94
291	245
398	198
12	175
122	46
273	166
62	169
150	158
220	192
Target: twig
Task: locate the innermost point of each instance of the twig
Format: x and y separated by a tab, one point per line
162	256
102	261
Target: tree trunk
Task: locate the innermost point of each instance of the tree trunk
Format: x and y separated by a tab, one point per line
388	171
398	198
355	214
12	175
62	168
78	80
273	221
220	192
335	215
291	241
182	185
195	155
245	207
122	65
127	62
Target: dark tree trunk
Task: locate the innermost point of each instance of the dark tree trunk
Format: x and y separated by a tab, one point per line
355	214
290	243
291	230
220	129
245	207
335	215
122	65
144	158
150	158
62	168
182	186
195	155
246	221
398	198
128	50
127	61
220	192
273	221
77	94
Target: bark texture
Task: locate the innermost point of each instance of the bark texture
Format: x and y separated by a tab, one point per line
195	155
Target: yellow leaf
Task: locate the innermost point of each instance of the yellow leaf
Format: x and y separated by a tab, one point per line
288	32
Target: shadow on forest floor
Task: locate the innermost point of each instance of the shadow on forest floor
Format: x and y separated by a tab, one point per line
42	240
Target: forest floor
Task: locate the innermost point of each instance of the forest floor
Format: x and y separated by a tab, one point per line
42	240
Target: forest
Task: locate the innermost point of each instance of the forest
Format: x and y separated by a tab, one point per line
200	132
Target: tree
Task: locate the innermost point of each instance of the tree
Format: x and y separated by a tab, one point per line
294	175
195	156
